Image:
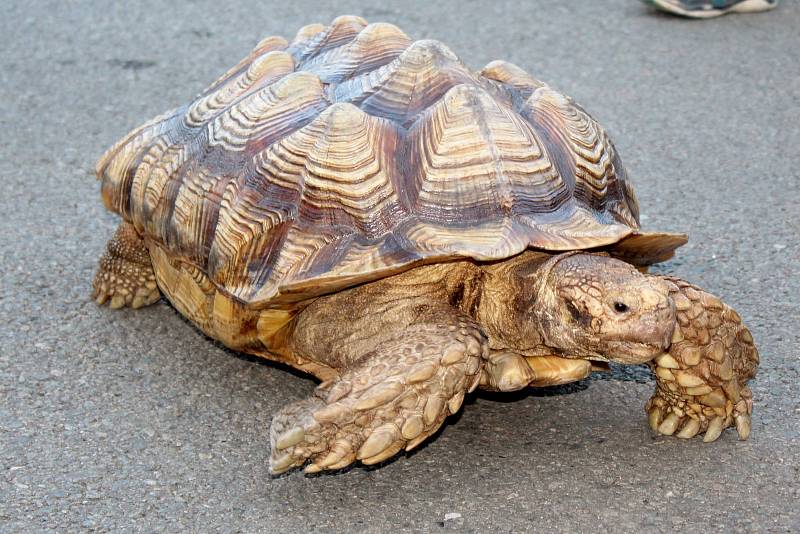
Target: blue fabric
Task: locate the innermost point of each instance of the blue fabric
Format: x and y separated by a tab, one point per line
705	4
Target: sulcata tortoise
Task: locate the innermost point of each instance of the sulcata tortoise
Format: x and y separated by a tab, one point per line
366	209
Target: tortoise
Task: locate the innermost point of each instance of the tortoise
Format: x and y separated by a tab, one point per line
368	210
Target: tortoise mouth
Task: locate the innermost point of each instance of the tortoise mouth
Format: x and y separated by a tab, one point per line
628	352
634	351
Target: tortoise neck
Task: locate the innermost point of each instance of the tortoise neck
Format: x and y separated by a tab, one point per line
507	301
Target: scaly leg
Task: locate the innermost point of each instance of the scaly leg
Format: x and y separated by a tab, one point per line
701	382
391	399
509	371
125	274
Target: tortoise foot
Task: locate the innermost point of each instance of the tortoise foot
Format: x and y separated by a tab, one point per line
125	276
709	414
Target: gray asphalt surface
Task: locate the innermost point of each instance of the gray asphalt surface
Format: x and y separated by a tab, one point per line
133	421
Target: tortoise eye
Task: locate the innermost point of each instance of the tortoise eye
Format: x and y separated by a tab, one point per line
620	307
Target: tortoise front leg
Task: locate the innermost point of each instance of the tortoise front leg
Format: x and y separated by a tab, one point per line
702	381
125	275
391	399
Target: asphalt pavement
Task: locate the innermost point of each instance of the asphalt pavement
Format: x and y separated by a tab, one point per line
134	421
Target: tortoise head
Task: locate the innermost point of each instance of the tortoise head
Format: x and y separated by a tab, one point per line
596	307
576	305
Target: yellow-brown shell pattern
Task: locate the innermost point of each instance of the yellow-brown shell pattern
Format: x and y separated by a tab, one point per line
352	153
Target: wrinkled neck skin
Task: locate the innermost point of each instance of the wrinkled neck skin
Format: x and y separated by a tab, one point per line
507	305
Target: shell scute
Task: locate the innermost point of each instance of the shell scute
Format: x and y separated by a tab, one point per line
309	42
412	82
262	71
374	46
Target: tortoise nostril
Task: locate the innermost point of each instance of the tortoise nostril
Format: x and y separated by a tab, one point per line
620	307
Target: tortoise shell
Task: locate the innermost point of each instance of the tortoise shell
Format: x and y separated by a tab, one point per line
353	153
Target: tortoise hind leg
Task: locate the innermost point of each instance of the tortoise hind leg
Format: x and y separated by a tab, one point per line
392	398
125	275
